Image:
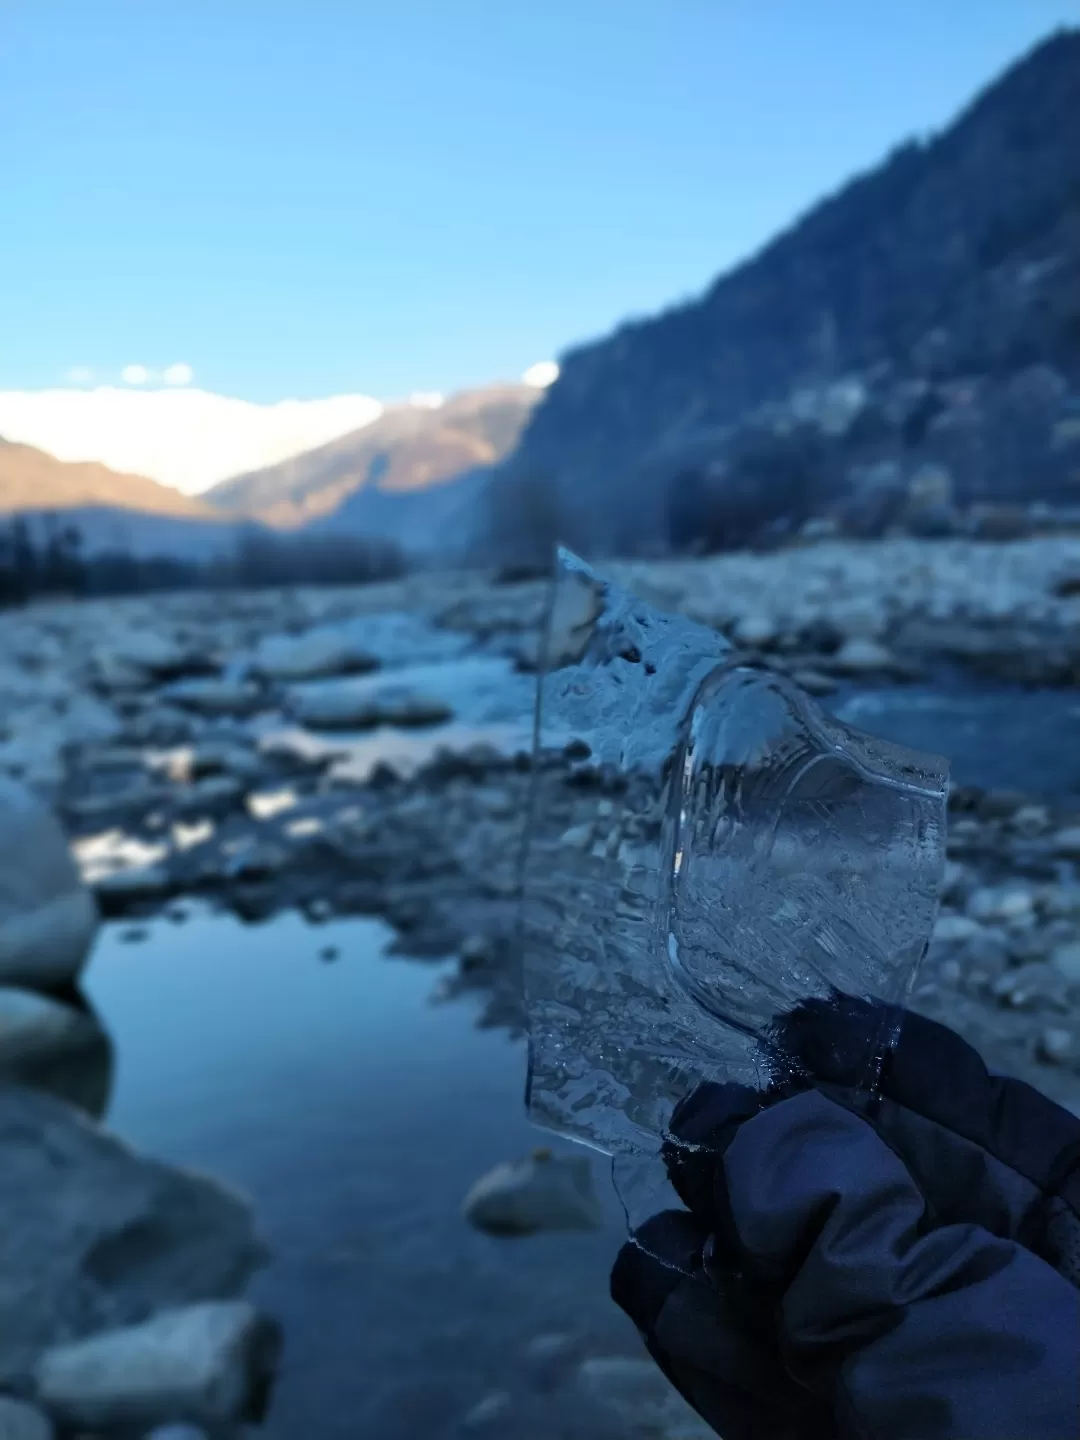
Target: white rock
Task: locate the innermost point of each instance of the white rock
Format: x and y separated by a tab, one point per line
341	709
95	1237
1066	961
53	1047
955	929
636	1393
47	916
20	1421
861	656
541	1192
316	653
755	631
1000	903
205	1363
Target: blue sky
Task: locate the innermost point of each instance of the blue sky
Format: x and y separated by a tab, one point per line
303	199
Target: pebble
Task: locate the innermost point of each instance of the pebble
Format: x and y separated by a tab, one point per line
1067	842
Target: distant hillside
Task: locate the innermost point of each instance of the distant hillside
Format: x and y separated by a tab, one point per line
917	334
32	480
409	449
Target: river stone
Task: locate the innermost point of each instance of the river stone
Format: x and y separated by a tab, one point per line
145	650
20	1421
47	915
956	929
342	709
311	655
756	632
127	887
861	655
96	1237
1067	842
541	1192
1000	903
215	697
47	1045
209	1363
217	757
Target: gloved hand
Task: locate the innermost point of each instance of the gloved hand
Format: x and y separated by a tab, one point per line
907	1269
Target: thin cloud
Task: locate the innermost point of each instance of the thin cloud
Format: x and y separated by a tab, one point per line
135	375
178	375
79	375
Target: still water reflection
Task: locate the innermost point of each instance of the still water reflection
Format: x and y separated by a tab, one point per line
356	1114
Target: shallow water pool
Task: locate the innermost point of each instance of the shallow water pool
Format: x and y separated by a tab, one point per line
356	1114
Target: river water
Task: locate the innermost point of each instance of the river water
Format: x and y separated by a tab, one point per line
357	1113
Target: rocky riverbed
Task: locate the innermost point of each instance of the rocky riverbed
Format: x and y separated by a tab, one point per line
367	753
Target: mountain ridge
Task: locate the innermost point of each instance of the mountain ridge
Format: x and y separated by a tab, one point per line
408	449
955	262
33	480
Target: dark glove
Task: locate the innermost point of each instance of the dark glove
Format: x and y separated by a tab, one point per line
907	1269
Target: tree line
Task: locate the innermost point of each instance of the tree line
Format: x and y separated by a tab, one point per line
52	560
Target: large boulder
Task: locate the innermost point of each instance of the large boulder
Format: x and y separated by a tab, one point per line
210	1364
55	1047
94	1237
47	915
